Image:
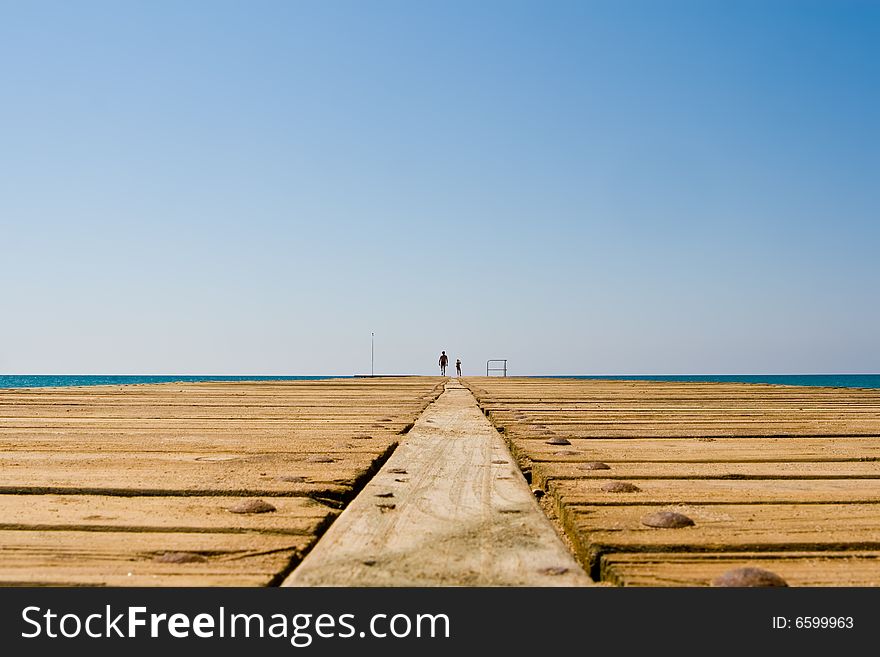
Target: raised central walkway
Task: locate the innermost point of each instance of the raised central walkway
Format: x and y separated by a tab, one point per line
448	508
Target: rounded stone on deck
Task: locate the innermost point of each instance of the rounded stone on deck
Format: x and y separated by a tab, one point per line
667	520
320	459
252	506
749	576
594	465
620	487
558	441
292	479
181	557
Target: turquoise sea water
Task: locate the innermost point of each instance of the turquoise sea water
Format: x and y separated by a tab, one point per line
52	381
833	380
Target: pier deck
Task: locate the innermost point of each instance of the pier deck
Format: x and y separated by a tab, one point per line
139	485
156	484
783	478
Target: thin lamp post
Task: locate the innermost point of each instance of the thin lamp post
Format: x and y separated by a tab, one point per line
372	371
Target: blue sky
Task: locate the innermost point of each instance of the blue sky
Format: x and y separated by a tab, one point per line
585	187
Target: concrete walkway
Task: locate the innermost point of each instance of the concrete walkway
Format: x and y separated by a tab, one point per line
449	508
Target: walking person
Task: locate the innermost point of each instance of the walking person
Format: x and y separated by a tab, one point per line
458	367
444	360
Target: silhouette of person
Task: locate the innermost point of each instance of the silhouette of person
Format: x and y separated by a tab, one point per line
458	367
444	359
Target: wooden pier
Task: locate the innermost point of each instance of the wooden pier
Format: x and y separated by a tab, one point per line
782	478
161	484
236	483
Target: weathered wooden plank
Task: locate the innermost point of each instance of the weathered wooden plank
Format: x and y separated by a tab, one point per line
448	508
95	558
198	411
718	491
250	441
149	514
34	425
677	429
599	530
852	568
695	450
322	473
543	472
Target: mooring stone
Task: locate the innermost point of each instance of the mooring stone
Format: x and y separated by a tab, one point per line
181	557
594	465
620	487
749	576
667	520
252	506
558	441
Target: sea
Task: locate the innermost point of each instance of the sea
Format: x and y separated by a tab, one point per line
832	380
58	380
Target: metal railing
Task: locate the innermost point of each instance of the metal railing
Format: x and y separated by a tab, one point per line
503	368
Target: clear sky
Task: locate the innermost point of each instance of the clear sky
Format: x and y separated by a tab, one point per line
582	188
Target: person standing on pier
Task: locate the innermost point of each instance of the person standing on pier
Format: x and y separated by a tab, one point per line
444	360
458	367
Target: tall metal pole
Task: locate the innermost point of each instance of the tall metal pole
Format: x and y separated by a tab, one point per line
372	372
